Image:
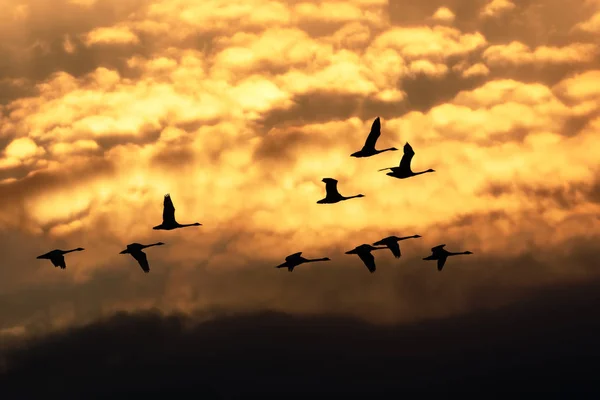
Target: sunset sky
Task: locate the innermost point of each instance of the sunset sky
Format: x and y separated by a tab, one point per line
239	109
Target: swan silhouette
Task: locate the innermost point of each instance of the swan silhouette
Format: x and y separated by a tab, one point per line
441	255
135	249
392	243
169	222
296	259
332	195
57	257
368	149
404	171
364	252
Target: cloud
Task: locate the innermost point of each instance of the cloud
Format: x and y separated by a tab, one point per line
518	53
239	111
112	35
592	25
224	356
496	8
443	14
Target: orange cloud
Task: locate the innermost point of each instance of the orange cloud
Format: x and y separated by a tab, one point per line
496	8
517	53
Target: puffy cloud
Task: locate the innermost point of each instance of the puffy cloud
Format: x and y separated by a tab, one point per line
443	14
496	8
516	53
111	35
592	25
239	111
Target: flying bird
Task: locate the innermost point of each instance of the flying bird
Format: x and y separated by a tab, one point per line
404	171
440	254
135	249
57	257
392	243
169	222
368	149
332	195
364	252
296	259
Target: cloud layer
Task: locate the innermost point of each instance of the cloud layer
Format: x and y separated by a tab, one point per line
239	111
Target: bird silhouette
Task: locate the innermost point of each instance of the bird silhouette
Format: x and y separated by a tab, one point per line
441	255
368	149
169	222
392	243
332	195
364	252
404	171
296	259
135	249
57	257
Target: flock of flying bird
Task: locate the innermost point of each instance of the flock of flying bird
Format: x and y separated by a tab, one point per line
332	196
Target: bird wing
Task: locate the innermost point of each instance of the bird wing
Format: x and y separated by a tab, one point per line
441	262
59	261
168	209
373	135
293	256
407	158
331	187
140	256
368	260
437	248
395	248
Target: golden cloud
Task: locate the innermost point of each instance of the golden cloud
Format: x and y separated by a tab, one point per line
443	14
496	8
239	111
111	35
516	53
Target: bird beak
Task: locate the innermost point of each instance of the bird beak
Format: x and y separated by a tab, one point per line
123	252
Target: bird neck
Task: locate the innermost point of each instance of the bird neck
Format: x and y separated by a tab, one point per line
69	251
407	237
422	172
456	254
316	259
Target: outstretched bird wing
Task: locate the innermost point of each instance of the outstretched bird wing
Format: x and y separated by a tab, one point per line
140	256
368	260
168	209
441	262
59	261
437	249
293	256
331	187
373	135
395	248
407	158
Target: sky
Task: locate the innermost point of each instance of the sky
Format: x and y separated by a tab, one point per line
239	109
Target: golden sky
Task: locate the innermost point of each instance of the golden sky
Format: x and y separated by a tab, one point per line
239	109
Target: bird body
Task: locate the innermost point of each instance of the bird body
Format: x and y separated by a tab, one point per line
169	222
404	170
296	259
57	257
332	195
368	149
135	249
364	252
392	243
441	255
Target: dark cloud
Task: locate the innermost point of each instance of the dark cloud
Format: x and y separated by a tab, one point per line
566	195
546	343
321	107
13	193
533	22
